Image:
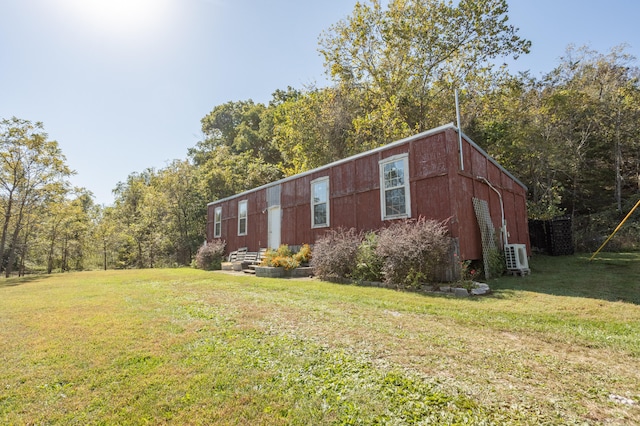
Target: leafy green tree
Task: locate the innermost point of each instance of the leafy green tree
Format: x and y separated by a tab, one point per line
236	125
236	153
66	225
161	216
129	207
186	209
32	171
514	128
571	136
313	129
409	56
77	230
591	106
224	173
53	225
107	231
611	84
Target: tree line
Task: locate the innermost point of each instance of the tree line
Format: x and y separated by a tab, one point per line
571	135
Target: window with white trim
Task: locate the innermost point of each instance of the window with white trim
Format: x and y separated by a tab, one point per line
217	222
395	199
320	202
242	217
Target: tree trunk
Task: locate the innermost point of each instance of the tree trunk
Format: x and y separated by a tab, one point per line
12	249
104	254
140	265
25	246
14	240
51	250
50	258
21	269
65	253
12	258
618	166
5	229
618	191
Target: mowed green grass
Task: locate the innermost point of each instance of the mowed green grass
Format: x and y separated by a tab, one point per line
182	346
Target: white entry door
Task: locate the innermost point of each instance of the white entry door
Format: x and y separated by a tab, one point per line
273	224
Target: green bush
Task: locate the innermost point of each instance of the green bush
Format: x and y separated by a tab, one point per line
209	255
497	264
368	264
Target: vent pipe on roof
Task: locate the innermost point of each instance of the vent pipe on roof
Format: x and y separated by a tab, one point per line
459	131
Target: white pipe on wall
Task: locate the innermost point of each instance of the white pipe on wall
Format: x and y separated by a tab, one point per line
503	230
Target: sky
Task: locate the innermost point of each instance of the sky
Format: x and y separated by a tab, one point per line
122	85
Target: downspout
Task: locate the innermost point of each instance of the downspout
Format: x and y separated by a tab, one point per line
459	132
503	229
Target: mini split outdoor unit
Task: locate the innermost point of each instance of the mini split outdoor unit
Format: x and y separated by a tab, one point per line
516	257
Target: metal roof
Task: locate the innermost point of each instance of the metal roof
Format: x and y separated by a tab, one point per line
421	135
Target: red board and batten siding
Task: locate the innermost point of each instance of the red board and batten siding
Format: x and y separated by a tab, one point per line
440	190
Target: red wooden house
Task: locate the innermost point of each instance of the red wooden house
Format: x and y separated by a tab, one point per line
424	175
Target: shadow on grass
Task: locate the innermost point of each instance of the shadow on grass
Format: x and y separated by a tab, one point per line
610	276
16	281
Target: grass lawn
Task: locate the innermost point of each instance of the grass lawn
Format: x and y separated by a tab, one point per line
182	346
